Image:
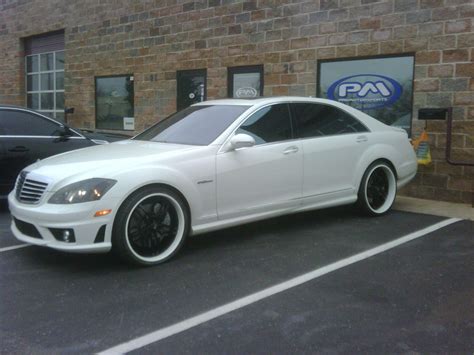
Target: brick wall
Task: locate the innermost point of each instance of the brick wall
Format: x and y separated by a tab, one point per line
152	39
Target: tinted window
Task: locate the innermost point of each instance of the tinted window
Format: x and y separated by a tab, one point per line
19	123
270	124
196	125
315	120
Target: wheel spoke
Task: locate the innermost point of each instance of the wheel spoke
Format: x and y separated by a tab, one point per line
153	226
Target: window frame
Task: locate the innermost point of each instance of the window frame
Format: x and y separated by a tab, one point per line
95	97
39	92
245	69
295	122
292	124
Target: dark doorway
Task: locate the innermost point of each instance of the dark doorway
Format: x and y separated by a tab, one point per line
191	87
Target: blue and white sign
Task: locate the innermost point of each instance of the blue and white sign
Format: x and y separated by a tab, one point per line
381	87
366	91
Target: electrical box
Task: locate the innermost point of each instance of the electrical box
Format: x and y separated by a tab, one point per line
432	114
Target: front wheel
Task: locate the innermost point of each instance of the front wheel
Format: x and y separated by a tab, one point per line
378	189
150	226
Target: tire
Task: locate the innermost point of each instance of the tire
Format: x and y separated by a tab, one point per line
377	189
150	226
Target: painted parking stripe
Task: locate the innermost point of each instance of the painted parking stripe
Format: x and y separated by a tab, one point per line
189	323
13	247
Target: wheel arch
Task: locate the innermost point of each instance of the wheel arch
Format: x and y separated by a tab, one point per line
162	185
379	152
160	177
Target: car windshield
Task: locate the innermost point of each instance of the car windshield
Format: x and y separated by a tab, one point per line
195	125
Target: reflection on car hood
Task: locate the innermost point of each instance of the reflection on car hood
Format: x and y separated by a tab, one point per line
104	136
104	159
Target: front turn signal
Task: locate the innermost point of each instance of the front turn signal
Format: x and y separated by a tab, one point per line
102	213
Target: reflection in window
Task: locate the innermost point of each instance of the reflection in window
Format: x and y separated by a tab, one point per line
45	83
315	120
270	124
114	101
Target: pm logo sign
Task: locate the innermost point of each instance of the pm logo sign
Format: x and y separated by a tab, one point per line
365	91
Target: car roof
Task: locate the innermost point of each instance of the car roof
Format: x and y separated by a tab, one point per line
14	106
267	100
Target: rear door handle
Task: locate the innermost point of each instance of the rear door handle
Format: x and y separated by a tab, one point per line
290	150
19	149
362	139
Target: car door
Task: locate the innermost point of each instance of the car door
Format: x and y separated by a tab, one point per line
27	137
332	141
265	177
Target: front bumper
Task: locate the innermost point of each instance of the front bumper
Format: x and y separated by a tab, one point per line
89	238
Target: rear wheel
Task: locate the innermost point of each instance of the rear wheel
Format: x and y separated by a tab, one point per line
378	189
150	226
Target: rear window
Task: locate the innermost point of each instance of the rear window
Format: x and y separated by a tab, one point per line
195	125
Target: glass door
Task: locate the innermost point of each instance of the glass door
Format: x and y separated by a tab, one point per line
191	87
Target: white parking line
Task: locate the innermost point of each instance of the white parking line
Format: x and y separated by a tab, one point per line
270	291
14	247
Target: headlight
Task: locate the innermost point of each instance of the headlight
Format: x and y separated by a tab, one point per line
83	191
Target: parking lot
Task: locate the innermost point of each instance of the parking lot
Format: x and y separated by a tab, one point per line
346	284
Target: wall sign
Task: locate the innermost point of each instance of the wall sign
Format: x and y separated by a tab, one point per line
380	86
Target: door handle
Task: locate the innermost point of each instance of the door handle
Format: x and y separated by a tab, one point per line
19	149
290	150
362	139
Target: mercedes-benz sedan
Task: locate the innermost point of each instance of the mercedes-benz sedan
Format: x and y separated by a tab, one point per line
213	165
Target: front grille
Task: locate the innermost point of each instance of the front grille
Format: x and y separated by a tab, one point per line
27	229
29	190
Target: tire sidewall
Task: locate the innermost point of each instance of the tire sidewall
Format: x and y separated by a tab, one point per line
120	243
392	193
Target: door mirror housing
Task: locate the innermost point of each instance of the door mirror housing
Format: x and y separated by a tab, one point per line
65	132
242	140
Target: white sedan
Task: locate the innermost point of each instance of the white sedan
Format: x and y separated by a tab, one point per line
213	165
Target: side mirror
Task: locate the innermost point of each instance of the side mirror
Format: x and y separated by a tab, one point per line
65	132
242	140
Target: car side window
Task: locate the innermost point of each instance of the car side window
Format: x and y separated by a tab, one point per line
316	120
20	123
269	124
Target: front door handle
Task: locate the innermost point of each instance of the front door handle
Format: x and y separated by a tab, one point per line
290	150
361	139
19	149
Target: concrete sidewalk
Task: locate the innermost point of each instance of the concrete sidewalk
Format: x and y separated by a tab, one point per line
437	208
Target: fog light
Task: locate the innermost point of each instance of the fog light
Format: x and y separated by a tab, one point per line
63	235
102	213
66	236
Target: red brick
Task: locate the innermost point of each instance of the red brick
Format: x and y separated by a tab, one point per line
428	57
465	70
455	55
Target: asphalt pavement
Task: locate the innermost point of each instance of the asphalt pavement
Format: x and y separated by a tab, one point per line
416	297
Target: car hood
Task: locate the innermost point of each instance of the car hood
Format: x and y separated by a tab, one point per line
103	160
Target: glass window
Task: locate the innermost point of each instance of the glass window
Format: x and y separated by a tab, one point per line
382	87
195	125
269	124
114	101
19	123
314	120
245	82
45	83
